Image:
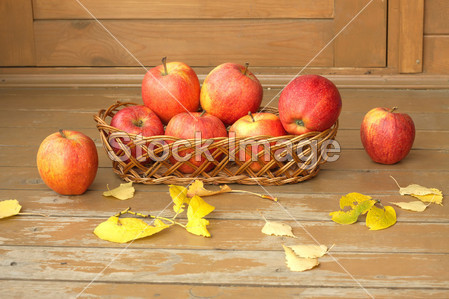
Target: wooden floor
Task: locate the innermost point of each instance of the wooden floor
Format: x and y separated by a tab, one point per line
59	256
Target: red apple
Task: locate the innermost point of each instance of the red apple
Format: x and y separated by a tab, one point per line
185	126
171	88
230	91
67	162
138	120
255	125
309	103
387	136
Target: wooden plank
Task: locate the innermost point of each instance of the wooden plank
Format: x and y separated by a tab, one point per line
436	60
393	35
78	232
435	17
60	289
85	43
182	9
411	36
364	42
16	33
222	267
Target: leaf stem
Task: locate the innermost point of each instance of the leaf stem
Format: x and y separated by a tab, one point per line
395	182
34	214
256	194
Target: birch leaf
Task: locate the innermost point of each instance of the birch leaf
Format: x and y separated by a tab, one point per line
351	216
273	228
197	188
378	218
123	230
415	206
296	263
9	208
424	194
309	251
198	209
122	192
179	197
352	199
436	197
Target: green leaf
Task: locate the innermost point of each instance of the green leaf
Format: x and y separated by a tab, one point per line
351	216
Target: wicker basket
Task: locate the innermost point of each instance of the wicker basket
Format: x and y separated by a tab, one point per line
290	159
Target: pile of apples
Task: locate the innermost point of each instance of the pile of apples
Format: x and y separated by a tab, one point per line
230	96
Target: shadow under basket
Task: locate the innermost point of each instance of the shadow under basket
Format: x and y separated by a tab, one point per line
151	160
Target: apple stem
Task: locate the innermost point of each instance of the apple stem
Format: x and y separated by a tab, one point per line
202	113
164	63
394	109
61	131
246	68
251	115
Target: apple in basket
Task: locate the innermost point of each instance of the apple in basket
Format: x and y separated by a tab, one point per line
387	136
309	103
67	162
255	125
138	120
171	88
193	125
229	91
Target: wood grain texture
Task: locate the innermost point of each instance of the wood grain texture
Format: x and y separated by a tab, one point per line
411	31
182	9
436	58
16	33
261	42
435	17
363	42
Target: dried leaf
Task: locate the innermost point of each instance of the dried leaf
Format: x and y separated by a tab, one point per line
424	194
436	197
378	218
274	228
352	199
9	208
351	216
197	188
122	192
296	263
415	189
122	230
415	206
179	197
309	251
198	209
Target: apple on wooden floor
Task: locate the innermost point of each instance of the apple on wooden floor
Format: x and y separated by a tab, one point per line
387	136
67	162
171	88
257	124
185	125
309	103
229	91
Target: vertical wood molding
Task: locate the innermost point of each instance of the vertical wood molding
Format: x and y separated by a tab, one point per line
16	33
411	34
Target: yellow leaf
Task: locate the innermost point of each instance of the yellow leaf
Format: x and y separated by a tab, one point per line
9	208
123	192
296	263
415	189
273	228
378	218
435	197
122	230
309	251
352	199
198	209
197	188
179	197
351	216
415	206
424	194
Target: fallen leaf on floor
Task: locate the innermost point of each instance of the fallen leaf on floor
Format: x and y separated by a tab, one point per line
352	199
309	251
9	208
359	203
424	194
380	218
197	188
296	263
273	228
123	230
198	209
415	206
122	192
179	197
